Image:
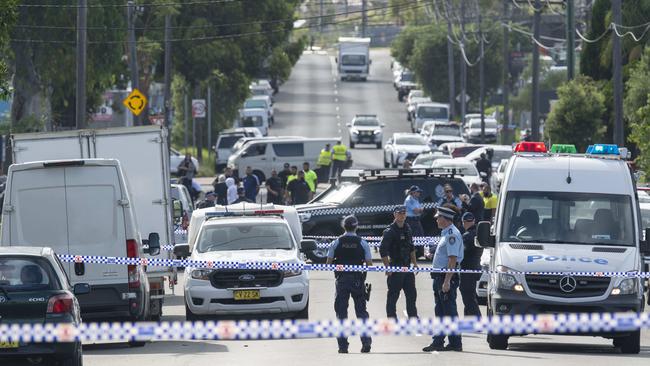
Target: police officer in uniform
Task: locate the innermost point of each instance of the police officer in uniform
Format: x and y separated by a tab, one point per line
413	212
396	249
350	249
324	164
471	261
449	254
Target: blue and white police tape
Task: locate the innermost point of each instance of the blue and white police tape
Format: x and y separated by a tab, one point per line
301	266
373	241
293	329
363	209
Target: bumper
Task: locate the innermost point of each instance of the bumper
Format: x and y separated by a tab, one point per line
58	350
371	139
116	300
204	299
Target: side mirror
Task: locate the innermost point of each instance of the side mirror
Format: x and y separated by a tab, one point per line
484	237
81	289
308	245
182	250
153	244
178	209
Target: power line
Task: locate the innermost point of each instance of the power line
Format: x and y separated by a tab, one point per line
152	5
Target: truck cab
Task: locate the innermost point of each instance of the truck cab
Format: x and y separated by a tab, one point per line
354	58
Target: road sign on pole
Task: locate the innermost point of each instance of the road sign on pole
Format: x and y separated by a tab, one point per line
198	108
135	102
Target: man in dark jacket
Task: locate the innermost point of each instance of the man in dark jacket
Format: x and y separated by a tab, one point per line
241	196
474	204
471	261
483	165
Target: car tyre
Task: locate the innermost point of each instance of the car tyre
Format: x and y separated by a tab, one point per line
74	359
260	175
496	341
303	314
630	344
379	145
189	315
386	165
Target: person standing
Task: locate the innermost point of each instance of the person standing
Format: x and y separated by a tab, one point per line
413	215
324	164
284	174
474	204
251	184
350	249
298	190
449	197
241	197
396	249
186	170
311	178
339	159
484	167
232	190
293	174
209	201
489	202
471	261
221	190
449	254
274	189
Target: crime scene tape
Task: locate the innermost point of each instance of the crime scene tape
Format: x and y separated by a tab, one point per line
301	266
293	329
373	241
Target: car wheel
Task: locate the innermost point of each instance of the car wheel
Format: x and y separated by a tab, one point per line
630	344
189	315
75	358
496	341
386	165
379	145
304	313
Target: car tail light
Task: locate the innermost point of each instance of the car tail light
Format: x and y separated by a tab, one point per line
60	304
132	252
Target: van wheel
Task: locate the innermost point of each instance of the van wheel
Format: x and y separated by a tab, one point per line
379	145
386	165
259	175
304	313
497	341
74	359
189	315
630	344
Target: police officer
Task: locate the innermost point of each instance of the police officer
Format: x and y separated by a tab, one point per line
413	212
449	254
471	261
350	249
396	249
324	164
339	159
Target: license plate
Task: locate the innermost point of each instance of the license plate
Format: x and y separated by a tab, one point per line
247	294
8	344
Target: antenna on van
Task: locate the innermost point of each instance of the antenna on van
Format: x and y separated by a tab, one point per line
568	178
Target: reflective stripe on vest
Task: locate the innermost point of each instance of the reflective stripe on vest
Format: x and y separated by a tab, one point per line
325	158
340	153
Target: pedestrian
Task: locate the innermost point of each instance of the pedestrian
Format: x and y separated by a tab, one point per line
298	190
449	254
251	184
324	164
490	202
230	174
221	190
241	196
471	261
284	174
484	167
339	159
349	249
396	249
449	197
292	175
473	204
274	190
186	170
232	190
413	215
311	178
209	201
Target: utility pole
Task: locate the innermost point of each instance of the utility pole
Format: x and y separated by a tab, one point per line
187	121
364	18
80	97
619	132
570	37
320	25
481	71
534	118
209	105
463	66
168	70
133	54
505	136
450	62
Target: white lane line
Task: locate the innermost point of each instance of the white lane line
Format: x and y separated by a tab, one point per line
336	91
337	108
336	100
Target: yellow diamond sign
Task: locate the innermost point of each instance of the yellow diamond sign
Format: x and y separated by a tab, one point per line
135	102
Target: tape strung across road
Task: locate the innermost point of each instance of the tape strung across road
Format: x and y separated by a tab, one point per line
291	329
283	266
373	241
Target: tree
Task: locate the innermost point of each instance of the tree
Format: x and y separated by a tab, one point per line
577	116
637	86
8	14
641	135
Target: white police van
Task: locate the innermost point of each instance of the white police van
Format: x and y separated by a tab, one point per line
246	233
565	212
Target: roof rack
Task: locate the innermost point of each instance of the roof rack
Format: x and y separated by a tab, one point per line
369	174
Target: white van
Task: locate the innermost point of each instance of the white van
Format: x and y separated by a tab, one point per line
566	213
429	112
254	117
82	207
267	154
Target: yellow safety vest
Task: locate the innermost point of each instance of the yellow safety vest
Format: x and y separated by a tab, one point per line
340	153
325	158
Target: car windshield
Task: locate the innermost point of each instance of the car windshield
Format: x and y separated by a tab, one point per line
410	140
568	217
259	91
645	217
644	196
427	159
228	141
416	94
489	123
21	274
366	122
407	76
255	103
244	236
339	194
446	130
353	60
432	112
462	167
252	121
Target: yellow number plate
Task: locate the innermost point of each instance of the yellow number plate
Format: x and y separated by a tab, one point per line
247	294
8	344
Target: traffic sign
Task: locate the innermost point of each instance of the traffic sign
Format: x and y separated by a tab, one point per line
198	108
466	98
135	102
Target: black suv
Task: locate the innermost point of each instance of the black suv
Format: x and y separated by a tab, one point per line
363	188
34	289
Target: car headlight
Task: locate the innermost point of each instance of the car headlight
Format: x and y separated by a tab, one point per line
292	273
377	132
628	286
304	216
508	281
354	132
202	274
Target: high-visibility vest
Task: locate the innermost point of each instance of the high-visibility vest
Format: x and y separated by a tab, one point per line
340	153
325	158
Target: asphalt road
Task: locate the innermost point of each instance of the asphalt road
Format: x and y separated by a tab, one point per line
314	103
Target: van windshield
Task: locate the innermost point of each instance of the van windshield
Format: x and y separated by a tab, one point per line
253	121
567	217
255	103
228	141
446	130
353	60
432	112
244	236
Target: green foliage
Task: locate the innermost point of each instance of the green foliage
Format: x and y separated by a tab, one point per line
279	65
641	135
8	16
178	90
638	86
577	116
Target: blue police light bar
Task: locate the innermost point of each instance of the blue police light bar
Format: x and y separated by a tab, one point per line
220	214
603	149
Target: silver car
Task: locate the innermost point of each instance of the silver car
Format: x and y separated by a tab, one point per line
365	129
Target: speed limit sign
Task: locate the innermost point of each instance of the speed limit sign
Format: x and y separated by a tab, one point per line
198	108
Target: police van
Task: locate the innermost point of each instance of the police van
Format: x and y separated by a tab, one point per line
564	212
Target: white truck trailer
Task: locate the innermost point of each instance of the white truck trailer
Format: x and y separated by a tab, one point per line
354	58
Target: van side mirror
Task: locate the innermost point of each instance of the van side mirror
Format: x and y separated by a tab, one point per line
182	250
153	244
178	209
308	245
484	237
81	289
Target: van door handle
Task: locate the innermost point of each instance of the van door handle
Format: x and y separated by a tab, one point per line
262	158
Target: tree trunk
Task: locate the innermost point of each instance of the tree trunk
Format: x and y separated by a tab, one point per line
28	99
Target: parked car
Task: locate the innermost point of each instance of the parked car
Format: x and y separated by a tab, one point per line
226	142
412	104
261	87
472	131
438	133
175	159
429	112
404	83
498	175
403	146
180	193
365	128
256	118
36	291
261	101
465	169
425	160
413	94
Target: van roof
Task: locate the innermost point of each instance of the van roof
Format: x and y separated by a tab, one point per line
63	163
23	250
433	104
588	174
294	138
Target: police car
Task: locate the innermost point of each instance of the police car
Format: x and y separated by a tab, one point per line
560	211
34	290
362	191
246	233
